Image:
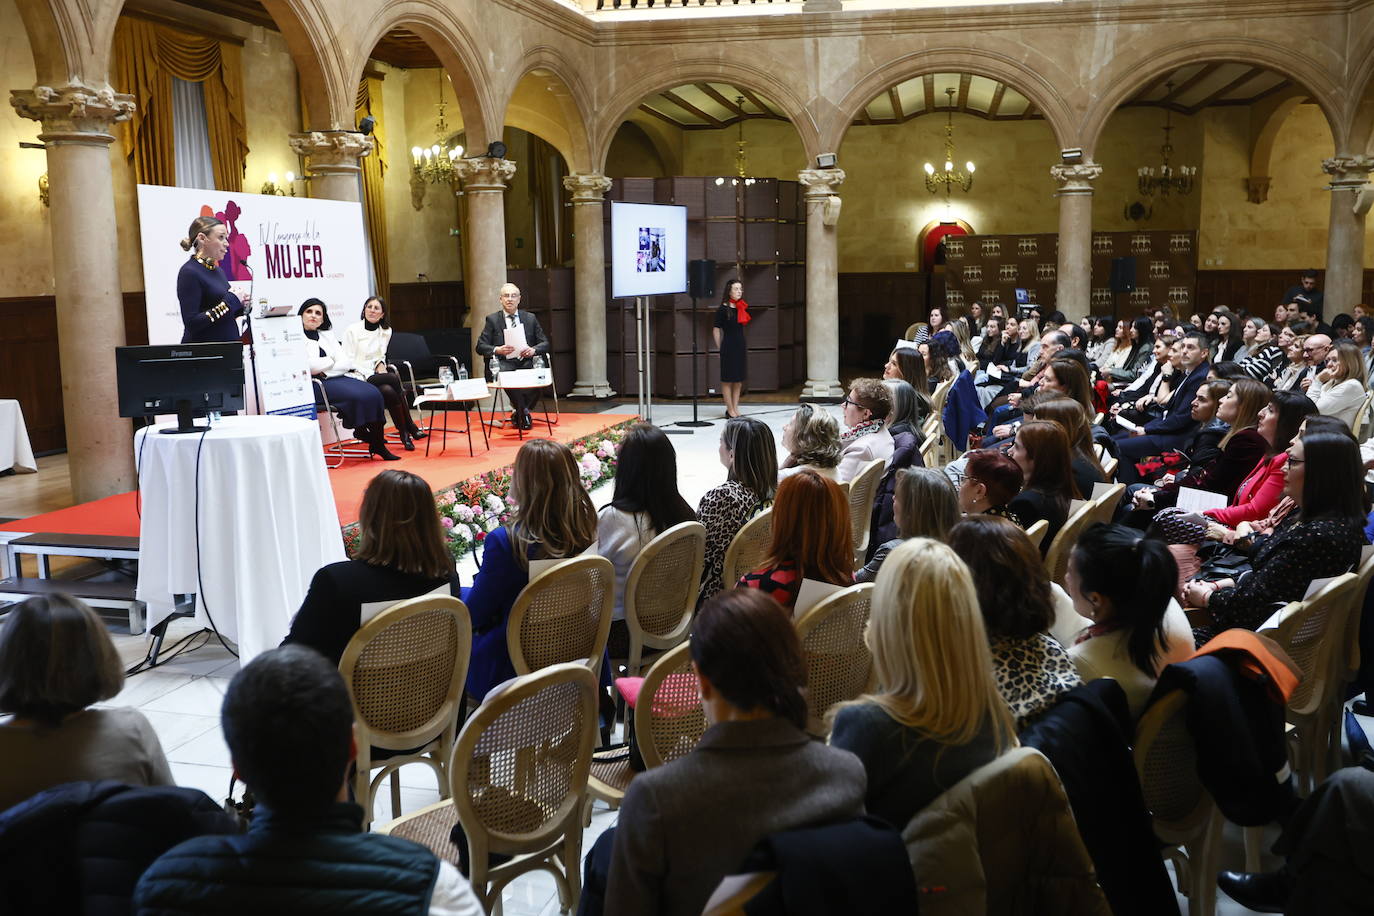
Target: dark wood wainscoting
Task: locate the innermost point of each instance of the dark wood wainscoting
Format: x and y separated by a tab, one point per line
420	306
1258	291
875	309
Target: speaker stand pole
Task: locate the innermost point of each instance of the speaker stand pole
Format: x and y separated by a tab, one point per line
695	421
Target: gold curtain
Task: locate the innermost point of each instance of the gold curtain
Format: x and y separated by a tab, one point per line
369	102
552	231
147	56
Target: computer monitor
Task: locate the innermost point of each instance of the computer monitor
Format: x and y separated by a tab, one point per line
190	380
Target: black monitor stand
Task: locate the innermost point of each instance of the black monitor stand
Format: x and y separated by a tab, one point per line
185	420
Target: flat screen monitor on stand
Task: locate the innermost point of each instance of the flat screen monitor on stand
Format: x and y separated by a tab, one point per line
189	380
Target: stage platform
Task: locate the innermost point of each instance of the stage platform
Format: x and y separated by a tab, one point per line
118	515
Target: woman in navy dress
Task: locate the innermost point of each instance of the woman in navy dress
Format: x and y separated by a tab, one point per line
208	306
359	404
731	318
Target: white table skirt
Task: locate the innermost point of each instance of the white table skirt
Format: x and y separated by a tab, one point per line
15	450
267	522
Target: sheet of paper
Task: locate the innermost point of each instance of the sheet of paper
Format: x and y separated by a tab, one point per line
1100	489
1315	586
1365	552
539	567
371	609
994	371
811	594
1191	499
908	344
1126	424
515	337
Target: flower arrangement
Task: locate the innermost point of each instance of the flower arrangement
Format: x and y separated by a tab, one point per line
472	509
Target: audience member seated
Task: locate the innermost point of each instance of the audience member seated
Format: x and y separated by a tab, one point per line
1141	390
1322	538
1124	584
1031	666
1325	849
360	406
1172	429
553	519
646	504
401	554
1268	354
939	715
685	825
1140	340
1259	492
1069	378
288	721
1041	449
1338	389
909	366
811	438
926	505
1218	469
1200	447
365	344
1230	340
989	482
1297	371
751	465
56	659
811	539
865	437
906	415
1087	469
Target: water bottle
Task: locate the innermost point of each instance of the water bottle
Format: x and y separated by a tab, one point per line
494	367
539	362
462	372
445	375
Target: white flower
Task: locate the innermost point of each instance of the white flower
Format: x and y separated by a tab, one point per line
463	511
494	503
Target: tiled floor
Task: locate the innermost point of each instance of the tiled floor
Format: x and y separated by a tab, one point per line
182	697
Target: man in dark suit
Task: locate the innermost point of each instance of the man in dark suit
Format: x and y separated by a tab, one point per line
1171	430
493	342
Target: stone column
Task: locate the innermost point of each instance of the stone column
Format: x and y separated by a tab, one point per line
333	165
76	121
822	283
1345	242
1073	292
484	185
589	274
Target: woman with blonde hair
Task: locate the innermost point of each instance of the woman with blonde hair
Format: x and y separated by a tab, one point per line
1338	389
939	715
553	518
812	440
925	505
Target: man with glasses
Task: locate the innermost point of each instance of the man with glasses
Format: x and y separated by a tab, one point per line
1314	350
493	342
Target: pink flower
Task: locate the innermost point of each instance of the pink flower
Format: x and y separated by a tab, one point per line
446	522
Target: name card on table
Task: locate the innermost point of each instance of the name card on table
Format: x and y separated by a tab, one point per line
1191	499
812	593
526	378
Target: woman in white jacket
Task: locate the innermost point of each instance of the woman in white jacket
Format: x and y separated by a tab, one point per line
1339	389
866	436
364	346
358	403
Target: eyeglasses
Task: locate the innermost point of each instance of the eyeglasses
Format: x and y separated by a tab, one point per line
1292	461
847	402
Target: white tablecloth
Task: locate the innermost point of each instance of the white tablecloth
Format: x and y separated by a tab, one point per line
15	450
267	522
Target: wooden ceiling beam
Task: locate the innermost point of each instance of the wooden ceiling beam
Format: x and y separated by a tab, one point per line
1221	94
928	85
1170	100
965	80
687	106
896	101
996	102
758	102
728	104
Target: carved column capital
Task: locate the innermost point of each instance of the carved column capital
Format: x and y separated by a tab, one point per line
820	183
1257	188
332	151
1348	172
587	188
484	173
1075	179
74	113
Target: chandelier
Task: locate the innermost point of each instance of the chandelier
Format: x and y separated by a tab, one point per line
947	177
1170	178
741	167
435	165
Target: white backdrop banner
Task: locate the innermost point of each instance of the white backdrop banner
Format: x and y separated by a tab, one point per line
295	248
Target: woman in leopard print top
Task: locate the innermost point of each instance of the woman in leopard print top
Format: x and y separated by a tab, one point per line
750	458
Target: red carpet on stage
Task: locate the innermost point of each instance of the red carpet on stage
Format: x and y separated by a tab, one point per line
117	515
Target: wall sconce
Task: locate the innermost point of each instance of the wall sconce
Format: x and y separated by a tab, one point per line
287	189
43	188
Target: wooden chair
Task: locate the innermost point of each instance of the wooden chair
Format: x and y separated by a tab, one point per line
1037	532
863	489
519	774
748	549
930	450
1057	559
405	670
668	720
661	591
935	422
1312	632
1365	571
1357	425
1103	509
1185	816
563	615
839	665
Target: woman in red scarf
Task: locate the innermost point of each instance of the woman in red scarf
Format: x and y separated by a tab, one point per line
731	318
